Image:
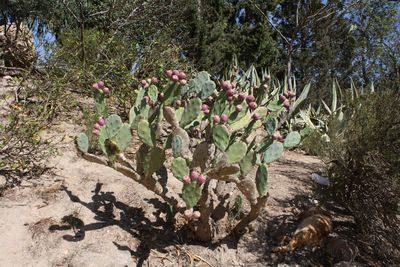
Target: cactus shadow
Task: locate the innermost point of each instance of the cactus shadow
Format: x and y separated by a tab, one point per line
108	211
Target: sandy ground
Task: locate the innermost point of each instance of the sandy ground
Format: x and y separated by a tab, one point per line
84	214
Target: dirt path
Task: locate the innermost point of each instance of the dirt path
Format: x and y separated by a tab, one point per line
84	214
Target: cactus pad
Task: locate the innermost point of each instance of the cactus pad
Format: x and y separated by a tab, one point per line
176	145
152	92
273	152
191	194
221	137
153	161
236	152
123	137
262	179
202	84
247	163
292	139
146	134
192	111
179	168
83	142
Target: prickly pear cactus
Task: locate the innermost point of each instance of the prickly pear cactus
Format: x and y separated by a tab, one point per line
213	129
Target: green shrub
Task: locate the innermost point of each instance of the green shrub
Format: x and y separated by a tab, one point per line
364	168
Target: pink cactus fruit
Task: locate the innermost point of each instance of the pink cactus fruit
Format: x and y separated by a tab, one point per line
101	121
286	104
146	98
96	132
226	85
175	72
194	175
239	108
154	80
161	96
282	98
286	94
201	179
182	75
95	86
291	94
186	179
216	119
106	90
196	215
205	107
188	214
252	105
100	84
178	103
276	136
224	118
97	126
242	96
168	73
268	77
250	99
175	78
230	92
183	82
256	116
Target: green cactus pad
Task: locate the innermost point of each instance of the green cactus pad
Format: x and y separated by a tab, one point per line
146	134
191	194
179	113
202	84
171	93
275	106
179	168
262	111
152	92
221	137
153	160
247	163
123	137
100	105
170	116
236	152
242	123
113	124
139	97
270	125
176	145
192	111
292	139
83	142
262	179
132	115
103	136
274	151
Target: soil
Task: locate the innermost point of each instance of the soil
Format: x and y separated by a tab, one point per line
84	214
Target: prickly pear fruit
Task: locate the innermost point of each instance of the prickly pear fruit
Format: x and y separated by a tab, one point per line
101	121
242	96
96	132
146	98
100	84
256	116
286	104
183	82
95	86
291	94
230	99
204	107
230	92
188	214
226	85
161	96
175	78
194	175
282	98
277	136
182	75
186	179
106	90
239	108
252	105
175	72
224	118
216	119
97	126
143	83
268	77
196	215
154	80
250	99
286	94
168	73
201	179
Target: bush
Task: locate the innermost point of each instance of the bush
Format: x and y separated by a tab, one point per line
364	156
